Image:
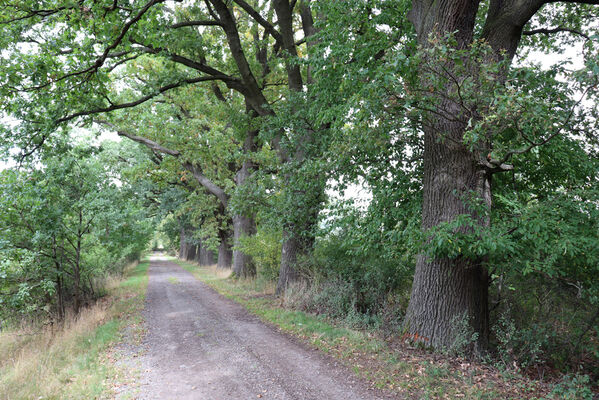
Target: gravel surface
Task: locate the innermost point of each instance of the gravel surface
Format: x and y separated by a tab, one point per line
200	345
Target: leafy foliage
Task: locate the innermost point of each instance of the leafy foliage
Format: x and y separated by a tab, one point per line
68	222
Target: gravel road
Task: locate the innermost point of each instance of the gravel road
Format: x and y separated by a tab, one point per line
200	345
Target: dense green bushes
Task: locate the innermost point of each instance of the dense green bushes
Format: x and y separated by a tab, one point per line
68	223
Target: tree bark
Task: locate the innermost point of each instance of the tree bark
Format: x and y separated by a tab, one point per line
77	297
191	252
225	253
298	228
445	290
243	225
198	254
206	256
304	193
291	251
182	244
243	265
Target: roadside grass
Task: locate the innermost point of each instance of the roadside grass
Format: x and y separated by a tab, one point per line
72	361
388	365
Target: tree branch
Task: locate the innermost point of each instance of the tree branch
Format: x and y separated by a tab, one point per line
138	101
139	139
230	81
195	23
547	31
196	172
259	19
207	183
106	54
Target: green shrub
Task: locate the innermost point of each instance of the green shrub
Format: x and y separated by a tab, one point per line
521	346
543	325
265	249
573	387
464	336
371	277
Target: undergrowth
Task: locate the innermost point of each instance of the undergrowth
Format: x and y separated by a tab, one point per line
69	361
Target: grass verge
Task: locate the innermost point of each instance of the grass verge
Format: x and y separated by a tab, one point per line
73	361
392	366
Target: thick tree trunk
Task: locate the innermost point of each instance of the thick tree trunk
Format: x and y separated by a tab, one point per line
447	290
191	252
243	265
59	294
292	251
206	256
198	254
59	288
77	297
225	253
299	224
182	244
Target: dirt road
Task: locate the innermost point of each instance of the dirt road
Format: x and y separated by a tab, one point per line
200	345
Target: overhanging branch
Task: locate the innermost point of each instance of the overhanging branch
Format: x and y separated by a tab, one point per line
268	27
210	186
547	31
139	101
195	23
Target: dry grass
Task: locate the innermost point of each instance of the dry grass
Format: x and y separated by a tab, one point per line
220	273
38	364
66	361
256	287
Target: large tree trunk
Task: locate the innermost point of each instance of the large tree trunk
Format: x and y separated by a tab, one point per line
447	290
191	252
225	253
299	225
198	254
303	193
243	265
206	256
182	243
77	296
294	248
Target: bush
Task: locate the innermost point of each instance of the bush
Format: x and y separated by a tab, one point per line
576	387
372	279
544	325
464	336
521	346
265	249
360	289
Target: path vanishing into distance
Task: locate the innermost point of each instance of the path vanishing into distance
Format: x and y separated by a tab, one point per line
201	345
